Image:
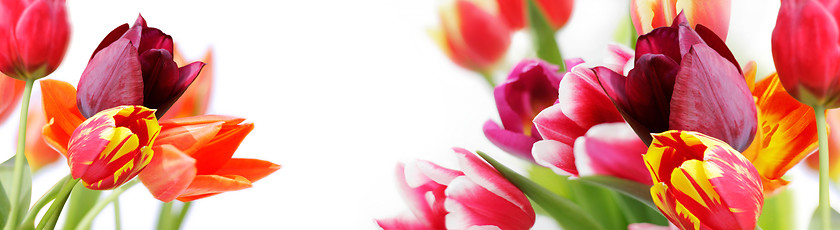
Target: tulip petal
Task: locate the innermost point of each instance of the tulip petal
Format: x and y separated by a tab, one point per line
153	38
10	92
517	144
468	206
423	195
699	104
188	138
59	100
207	185
738	184
112	78
708	13
169	173
716	43
38	153
557	156
160	79
37	22
660	41
406	221
251	169
218	151
196	98
115	34
618	58
482	174
612	149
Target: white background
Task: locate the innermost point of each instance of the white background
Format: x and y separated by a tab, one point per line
340	91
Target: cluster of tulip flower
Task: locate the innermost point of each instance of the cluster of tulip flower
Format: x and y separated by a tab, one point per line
672	134
134	115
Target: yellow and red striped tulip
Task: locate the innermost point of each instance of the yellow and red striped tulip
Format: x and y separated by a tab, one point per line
702	183
786	133
112	146
651	14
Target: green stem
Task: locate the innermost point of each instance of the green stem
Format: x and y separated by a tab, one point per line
46	198
184	209
117	214
51	217
822	133
20	158
87	220
165	213
488	77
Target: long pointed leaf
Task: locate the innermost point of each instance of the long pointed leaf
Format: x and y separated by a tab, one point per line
567	213
6	171
543	37
79	204
639	191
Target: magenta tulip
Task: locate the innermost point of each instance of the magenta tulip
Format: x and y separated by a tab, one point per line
33	37
684	79
529	88
806	50
134	66
477	197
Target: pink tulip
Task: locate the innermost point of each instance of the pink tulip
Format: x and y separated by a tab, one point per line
441	198
33	37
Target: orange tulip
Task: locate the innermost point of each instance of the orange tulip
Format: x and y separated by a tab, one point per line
196	99
650	14
196	159
10	92
786	134
38	153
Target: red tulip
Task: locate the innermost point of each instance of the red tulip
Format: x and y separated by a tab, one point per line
557	12
134	66
651	14
530	88
477	197
684	80
806	50
10	92
111	147
33	37
472	35
702	183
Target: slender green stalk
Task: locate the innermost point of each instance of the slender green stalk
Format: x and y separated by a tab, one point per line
20	158
185	208
51	217
488	77
102	203
164	217
117	214
46	198
822	133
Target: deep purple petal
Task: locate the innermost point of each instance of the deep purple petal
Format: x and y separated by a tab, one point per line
153	38
530	88
649	88
186	76
515	143
662	40
111	38
711	97
112	78
712	40
160	77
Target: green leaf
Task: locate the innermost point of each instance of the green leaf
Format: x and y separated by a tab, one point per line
639	191
543	37
568	214
600	203
816	223
81	201
777	212
6	171
555	183
638	212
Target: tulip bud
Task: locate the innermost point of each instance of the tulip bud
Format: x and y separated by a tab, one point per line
111	147
472	34
134	66
557	12
33	37
701	181
806	50
651	14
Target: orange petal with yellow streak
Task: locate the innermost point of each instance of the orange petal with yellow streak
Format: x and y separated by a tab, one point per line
208	185
62	114
251	169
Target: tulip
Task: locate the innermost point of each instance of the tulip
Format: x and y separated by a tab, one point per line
702	183
806	50
196	99
134	66
33	37
557	12
472	34
787	133
477	197
38	153
584	134
111	147
10	92
648	15
530	88
684	80
194	159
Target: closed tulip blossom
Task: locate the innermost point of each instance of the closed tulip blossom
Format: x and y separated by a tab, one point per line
557	12
530	88
477	197
702	183
806	50
34	36
112	146
684	79
472	34
651	14
134	66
